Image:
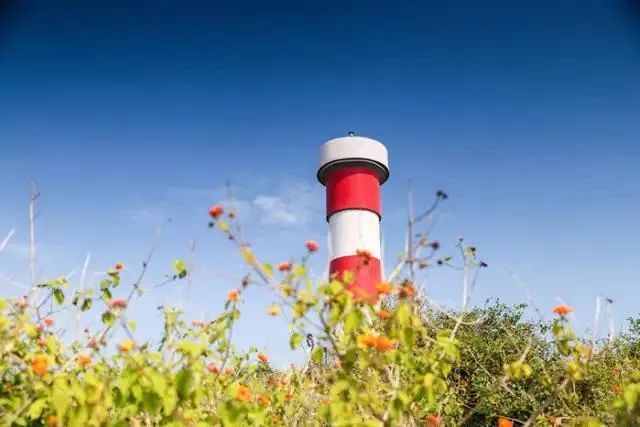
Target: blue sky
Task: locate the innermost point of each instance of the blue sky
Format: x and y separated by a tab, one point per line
126	115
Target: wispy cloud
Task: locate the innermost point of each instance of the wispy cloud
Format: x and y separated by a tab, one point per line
290	204
295	204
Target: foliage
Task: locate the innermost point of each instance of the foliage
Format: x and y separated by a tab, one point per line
400	361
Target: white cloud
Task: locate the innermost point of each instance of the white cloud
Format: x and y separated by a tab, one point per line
295	204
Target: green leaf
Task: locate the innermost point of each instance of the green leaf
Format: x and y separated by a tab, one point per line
108	318
295	340
58	295
86	304
317	355
184	382
36	408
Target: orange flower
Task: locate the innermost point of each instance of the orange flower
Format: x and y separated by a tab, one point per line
367	341
126	346
119	266
384	344
213	368
384	288
263	400
52	421
312	245
118	304
83	360
384	314
243	393
433	421
406	290
215	211
48	321
233	295
504	422
263	358
40	365
284	266
197	323
273	310
562	309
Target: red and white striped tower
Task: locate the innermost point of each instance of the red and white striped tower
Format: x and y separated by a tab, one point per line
353	168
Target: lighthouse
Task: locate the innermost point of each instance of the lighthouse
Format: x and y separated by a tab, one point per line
353	168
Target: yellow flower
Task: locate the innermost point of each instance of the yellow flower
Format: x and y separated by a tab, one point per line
273	310
83	360
126	346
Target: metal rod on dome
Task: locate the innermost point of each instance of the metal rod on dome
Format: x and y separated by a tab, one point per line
352	169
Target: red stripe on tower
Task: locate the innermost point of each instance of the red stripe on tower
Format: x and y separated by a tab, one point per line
353	168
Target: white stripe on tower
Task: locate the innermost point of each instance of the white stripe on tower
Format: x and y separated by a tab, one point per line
352	168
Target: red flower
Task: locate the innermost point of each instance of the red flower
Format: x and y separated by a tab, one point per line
118	304
215	211
213	368
263	358
119	266
312	245
48	321
284	266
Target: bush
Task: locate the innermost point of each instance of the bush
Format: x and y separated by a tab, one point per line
401	361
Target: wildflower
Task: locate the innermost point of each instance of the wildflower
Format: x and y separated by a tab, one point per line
118	304
213	368
562	309
93	343
48	321
284	266
365	256
263	400
118	267
52	421
233	295
406	290
197	323
126	346
384	288
83	360
384	344
384	314
263	358
433	421
215	211
312	245
367	341
228	371
504	422
40	365
243	393
273	310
